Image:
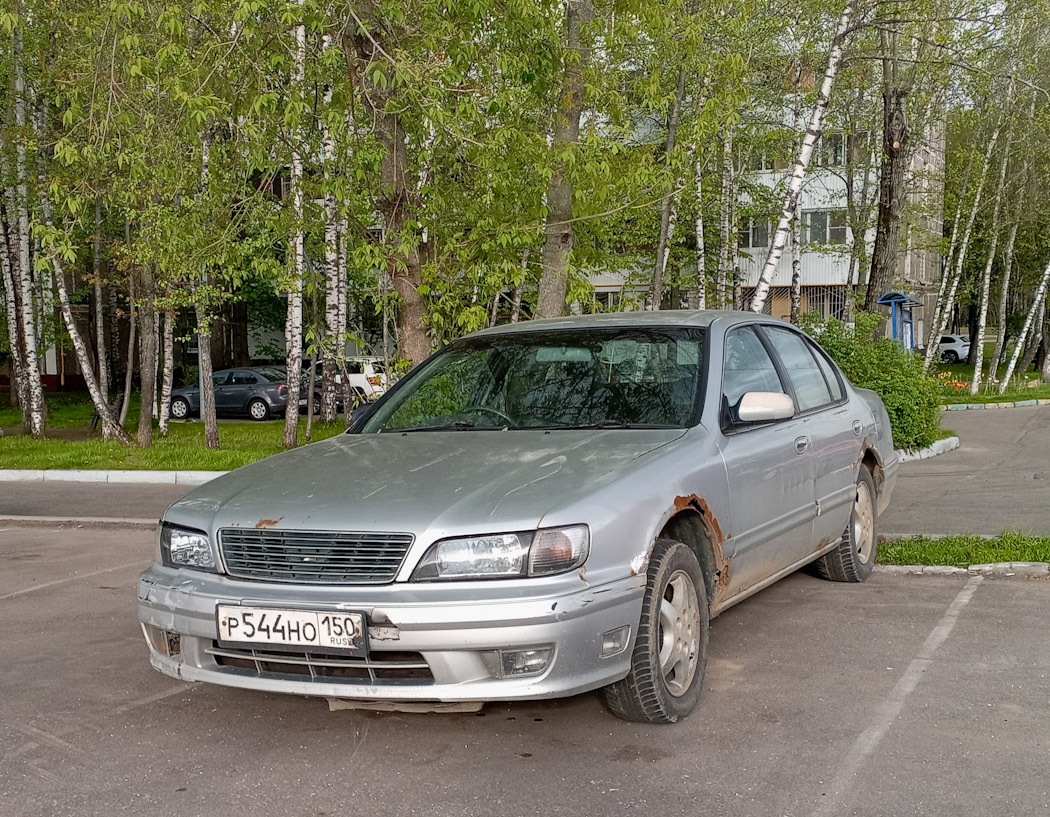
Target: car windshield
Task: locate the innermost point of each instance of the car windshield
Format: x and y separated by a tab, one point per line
272	375
608	378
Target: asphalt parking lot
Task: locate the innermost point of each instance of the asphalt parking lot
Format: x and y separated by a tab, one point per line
905	695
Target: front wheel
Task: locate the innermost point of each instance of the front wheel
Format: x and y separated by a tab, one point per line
854	558
670	650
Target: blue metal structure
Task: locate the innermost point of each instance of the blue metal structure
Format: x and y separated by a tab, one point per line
901	307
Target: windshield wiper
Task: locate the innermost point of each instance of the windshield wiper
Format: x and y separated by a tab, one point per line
616	424
455	425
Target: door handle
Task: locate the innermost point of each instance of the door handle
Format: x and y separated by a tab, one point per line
801	444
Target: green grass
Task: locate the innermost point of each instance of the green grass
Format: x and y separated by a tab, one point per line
240	444
963	551
66	410
956	378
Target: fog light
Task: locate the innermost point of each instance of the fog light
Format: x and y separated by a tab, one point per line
163	641
615	641
525	662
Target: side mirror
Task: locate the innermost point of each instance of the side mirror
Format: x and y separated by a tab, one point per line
763	406
360	414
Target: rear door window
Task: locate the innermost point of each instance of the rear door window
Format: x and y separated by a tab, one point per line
807	379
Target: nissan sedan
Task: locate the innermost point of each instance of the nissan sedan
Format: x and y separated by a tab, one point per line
536	511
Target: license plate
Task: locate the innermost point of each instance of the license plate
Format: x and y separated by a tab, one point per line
302	402
308	629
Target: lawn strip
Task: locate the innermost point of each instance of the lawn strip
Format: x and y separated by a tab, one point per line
966	550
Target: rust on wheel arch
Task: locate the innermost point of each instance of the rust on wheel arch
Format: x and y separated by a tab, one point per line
722	563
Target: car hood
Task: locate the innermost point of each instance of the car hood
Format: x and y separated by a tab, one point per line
417	482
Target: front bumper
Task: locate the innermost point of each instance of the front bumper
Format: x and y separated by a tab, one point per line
455	642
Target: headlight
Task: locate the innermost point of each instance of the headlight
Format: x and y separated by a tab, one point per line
180	547
505	555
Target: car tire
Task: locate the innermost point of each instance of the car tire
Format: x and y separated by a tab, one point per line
180	408
258	410
854	558
670	649
950	356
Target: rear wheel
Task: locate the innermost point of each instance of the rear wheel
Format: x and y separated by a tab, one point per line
950	356
180	408
670	650
854	558
258	410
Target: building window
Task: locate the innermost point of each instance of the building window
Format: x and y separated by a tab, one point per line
753	233
831	150
825	226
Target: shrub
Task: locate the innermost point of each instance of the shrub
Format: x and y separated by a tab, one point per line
887	368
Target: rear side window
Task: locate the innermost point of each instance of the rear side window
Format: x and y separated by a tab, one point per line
748	367
807	379
244	378
831	375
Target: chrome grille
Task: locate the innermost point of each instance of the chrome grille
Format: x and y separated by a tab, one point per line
313	557
388	668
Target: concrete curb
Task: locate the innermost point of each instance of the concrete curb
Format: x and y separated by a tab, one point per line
998	569
77	522
975	406
939	447
125	476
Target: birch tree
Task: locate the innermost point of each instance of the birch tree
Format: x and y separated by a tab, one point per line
802	160
986	279
293	333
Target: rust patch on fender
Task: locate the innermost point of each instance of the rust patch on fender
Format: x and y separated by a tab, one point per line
723	564
823	543
266	523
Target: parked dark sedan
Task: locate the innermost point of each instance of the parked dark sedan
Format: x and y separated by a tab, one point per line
258	393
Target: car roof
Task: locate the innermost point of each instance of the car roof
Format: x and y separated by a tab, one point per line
686	318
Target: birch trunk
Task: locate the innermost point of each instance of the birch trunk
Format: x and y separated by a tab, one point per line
654	300
105	413
332	272
933	340
147	354
805	153
207	387
977	346
796	268
725	234
559	234
701	259
293	331
30	364
100	324
203	319
1038	306
964	243
11	305
168	373
132	331
1033	348
1004	297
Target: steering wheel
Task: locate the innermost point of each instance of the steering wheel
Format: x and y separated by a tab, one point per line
489	410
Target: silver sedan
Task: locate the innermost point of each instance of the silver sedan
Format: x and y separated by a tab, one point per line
536	511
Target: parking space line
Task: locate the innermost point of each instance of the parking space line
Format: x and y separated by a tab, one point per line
891	707
34	588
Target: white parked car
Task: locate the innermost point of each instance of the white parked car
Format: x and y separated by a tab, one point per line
954	348
367	376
